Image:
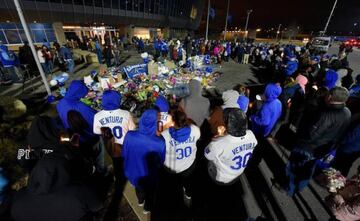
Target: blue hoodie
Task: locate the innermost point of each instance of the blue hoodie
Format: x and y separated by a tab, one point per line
330	79
7	58
111	100
291	67
71	101
265	119
181	134
143	151
243	102
162	104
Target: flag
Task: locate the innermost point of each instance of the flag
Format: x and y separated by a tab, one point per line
212	13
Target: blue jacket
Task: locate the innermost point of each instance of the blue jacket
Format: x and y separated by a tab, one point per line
7	58
141	44
162	104
65	53
243	102
351	142
265	119
71	101
111	100
355	89
143	151
331	78
291	67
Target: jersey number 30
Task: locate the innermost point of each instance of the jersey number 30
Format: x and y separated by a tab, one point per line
241	162
183	153
117	132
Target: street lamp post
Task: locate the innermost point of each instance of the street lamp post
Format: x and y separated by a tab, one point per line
226	19
328	21
207	21
31	44
278	32
247	22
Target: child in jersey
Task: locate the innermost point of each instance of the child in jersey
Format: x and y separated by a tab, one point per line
180	141
228	155
118	122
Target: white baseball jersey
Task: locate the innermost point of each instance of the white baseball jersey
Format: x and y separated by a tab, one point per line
119	121
181	155
229	156
166	121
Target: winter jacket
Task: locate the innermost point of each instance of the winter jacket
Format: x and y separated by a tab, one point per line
291	67
326	130
351	142
265	119
7	58
52	194
71	101
65	53
143	151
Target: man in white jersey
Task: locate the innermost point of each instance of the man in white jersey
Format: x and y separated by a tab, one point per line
118	122
228	155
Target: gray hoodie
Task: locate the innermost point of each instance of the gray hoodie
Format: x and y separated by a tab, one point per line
196	106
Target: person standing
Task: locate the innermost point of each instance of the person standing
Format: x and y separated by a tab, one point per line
195	105
41	57
65	55
180	141
71	102
265	119
26	57
108	54
317	138
228	155
98	51
10	63
349	148
119	122
144	153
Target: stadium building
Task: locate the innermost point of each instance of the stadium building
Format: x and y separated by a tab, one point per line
59	20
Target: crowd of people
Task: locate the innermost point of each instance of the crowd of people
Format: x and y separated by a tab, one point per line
200	145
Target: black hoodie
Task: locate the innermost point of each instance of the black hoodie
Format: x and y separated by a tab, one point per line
52	195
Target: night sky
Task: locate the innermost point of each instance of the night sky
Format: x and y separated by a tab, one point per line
310	15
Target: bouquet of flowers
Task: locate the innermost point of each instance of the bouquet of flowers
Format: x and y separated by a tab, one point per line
333	180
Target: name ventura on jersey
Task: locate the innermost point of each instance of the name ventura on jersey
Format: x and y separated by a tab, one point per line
243	147
111	119
173	142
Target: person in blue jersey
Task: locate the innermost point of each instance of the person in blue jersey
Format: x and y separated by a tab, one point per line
144	152
180	141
